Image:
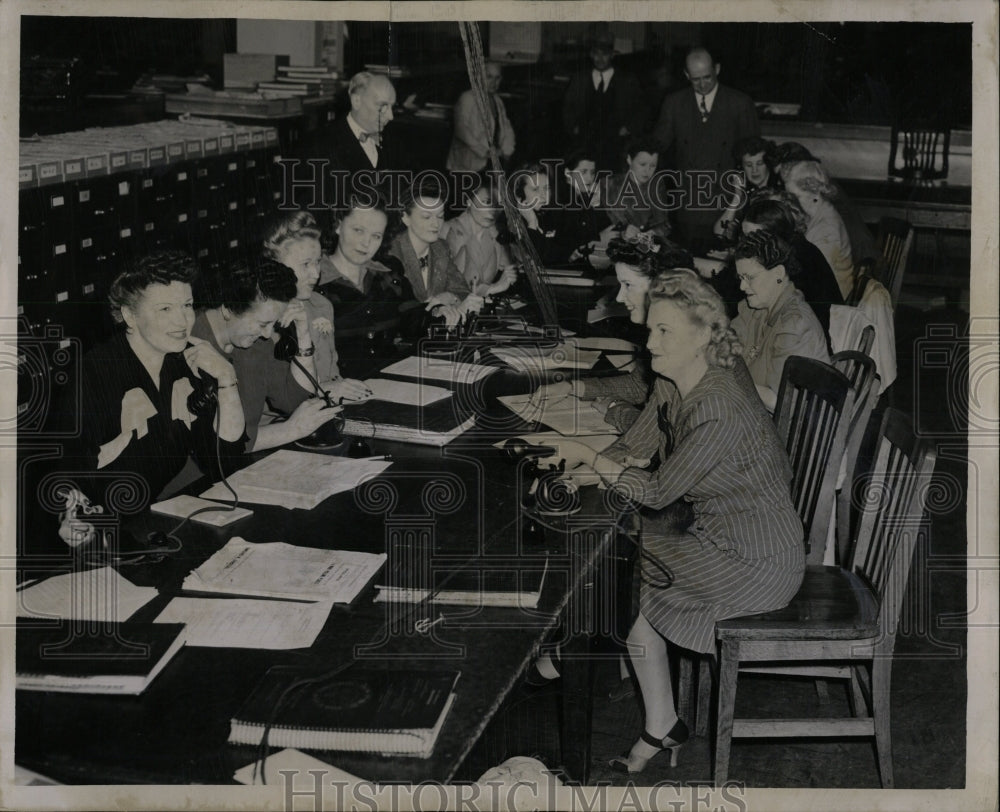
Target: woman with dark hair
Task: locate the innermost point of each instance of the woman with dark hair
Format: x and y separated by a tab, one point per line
774	321
720	536
620	398
631	201
530	190
579	220
754	158
247	303
139	413
472	240
426	260
778	211
293	239
371	299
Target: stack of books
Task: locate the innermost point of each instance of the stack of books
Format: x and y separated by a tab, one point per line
302	80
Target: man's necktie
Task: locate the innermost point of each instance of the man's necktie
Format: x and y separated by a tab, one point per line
600	84
375	138
424	262
704	108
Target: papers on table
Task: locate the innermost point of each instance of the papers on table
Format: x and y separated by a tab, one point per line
215	514
411	394
417	366
279	570
247	623
100	594
539	359
291	768
296	479
567	415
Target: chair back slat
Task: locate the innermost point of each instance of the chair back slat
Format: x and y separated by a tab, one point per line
895	239
919	154
892	515
867	340
814	402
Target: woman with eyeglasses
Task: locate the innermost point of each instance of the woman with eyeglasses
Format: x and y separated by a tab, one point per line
774	321
720	535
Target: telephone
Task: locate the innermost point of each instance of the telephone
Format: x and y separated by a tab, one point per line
287	345
204	394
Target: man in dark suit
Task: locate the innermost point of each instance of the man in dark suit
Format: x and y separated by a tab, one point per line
698	128
357	149
603	106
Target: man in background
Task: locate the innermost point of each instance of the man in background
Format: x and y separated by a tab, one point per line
470	144
698	128
603	106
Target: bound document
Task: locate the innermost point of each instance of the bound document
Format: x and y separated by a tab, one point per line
436	424
395	713
288	571
123	658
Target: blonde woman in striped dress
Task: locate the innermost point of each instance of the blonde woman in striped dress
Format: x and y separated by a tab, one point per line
742	552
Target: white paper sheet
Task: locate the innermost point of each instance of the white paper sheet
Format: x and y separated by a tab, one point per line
411	394
296	479
567	415
538	359
303	781
417	366
247	623
100	594
280	570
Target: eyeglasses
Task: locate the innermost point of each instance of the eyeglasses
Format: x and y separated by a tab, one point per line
745	277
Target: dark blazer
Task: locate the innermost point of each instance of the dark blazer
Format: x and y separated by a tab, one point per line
345	158
597	118
444	275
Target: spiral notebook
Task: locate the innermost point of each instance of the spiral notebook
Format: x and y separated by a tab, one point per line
396	713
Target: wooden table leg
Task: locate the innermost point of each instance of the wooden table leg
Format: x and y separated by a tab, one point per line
576	714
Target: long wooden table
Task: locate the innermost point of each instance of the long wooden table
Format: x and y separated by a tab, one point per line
451	504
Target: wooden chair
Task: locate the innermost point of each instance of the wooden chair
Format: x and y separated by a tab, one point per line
919	155
895	241
842	620
860	371
866	340
812	400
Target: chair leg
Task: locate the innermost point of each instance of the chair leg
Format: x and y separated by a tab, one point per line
729	665
856	697
685	686
881	675
702	719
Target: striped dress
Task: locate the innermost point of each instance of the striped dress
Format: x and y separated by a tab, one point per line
743	552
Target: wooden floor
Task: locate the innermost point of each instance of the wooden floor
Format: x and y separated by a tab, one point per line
929	689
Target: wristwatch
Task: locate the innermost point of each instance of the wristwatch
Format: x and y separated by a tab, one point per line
308	351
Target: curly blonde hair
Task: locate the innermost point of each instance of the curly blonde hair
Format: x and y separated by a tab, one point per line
698	299
810	176
285	227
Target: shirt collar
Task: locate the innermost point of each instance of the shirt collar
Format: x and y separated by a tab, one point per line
709	97
787	291
356	128
596	75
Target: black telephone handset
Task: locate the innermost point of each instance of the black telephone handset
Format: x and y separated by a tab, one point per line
287	345
204	394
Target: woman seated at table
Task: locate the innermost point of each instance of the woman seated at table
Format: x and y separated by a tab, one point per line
579	220
372	300
632	202
777	211
472	240
620	398
774	321
824	227
720	535
528	187
427	262
755	160
293	239
247	304
141	402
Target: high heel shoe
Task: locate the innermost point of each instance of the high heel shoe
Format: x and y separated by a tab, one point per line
672	741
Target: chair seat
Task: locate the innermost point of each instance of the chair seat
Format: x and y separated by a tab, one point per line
831	604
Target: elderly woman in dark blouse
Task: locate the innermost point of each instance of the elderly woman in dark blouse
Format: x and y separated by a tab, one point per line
722	460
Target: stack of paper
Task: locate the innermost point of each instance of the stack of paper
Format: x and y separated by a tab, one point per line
567	415
296	479
412	394
279	570
99	594
417	366
539	359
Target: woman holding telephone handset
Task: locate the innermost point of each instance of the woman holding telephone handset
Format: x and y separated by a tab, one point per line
152	396
248	304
